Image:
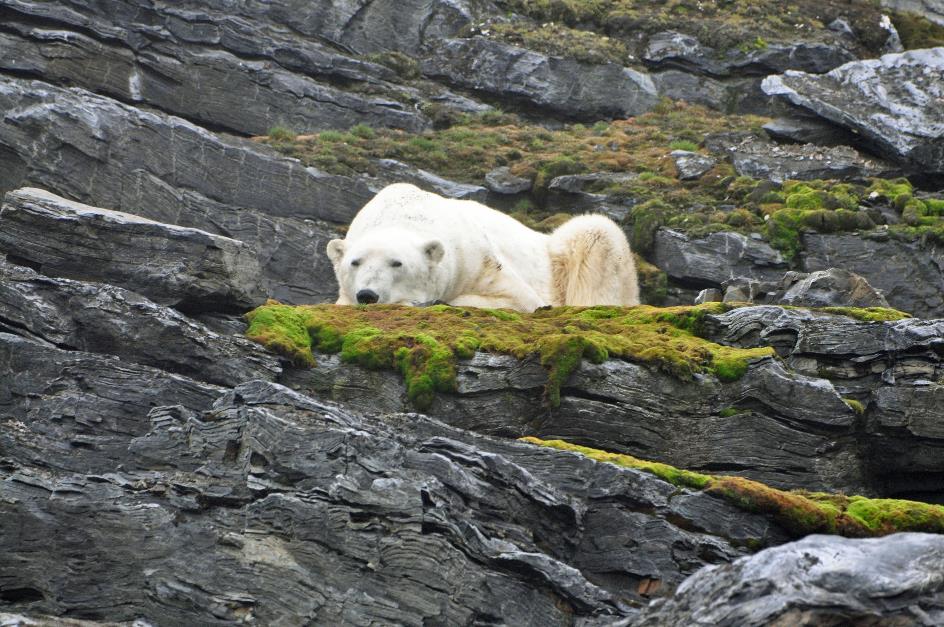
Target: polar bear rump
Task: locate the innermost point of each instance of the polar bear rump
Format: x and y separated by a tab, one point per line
413	247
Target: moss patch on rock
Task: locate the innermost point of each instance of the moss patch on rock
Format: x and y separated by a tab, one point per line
639	150
798	512
424	343
867	314
476	144
723	24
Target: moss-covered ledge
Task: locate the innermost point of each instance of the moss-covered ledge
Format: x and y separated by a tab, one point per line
424	343
798	512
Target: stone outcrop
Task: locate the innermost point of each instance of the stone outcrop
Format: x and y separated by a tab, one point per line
890	102
892	581
883	261
158	467
563	86
182	267
255	493
100	152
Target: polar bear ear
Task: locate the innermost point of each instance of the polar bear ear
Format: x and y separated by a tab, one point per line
336	250
434	250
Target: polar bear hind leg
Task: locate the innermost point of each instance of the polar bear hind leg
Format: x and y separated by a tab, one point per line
591	264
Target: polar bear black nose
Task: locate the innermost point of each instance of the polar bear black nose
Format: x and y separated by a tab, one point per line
367	297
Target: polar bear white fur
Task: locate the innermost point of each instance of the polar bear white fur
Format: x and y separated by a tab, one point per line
412	247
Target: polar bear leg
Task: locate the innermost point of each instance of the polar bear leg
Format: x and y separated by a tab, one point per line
500	288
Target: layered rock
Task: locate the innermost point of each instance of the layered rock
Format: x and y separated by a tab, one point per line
100	152
908	273
890	102
109	320
253	494
182	267
559	85
821	580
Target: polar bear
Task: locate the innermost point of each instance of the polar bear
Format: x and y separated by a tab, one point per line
411	247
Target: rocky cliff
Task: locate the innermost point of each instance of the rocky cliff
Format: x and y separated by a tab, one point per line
168	166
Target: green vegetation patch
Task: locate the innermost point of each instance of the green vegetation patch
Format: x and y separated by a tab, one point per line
474	145
917	31
638	149
723	24
799	512
424	343
867	314
556	39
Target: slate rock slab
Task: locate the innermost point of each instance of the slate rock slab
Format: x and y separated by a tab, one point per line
834	287
820	580
182	267
778	163
691	165
894	103
561	86
910	275
105	319
280	508
712	260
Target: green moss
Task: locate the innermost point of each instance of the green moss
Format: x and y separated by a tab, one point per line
653	282
284	330
916	31
424	343
855	405
797	512
745	25
684	144
636	148
681	478
281	134
728	412
867	314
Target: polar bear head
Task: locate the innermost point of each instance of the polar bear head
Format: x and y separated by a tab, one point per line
392	266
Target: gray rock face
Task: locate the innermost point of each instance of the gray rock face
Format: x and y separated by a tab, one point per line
883	262
99	318
182	267
252	496
931	9
711	261
202	84
778	163
626	407
562	86
502	181
826	288
677	50
820	580
808	130
97	151
691	165
732	95
891	102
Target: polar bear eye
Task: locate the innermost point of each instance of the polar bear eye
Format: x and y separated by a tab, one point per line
396	264
356	262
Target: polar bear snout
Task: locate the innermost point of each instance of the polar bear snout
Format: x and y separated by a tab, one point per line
367	297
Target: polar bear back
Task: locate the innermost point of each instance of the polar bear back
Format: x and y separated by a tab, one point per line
471	229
